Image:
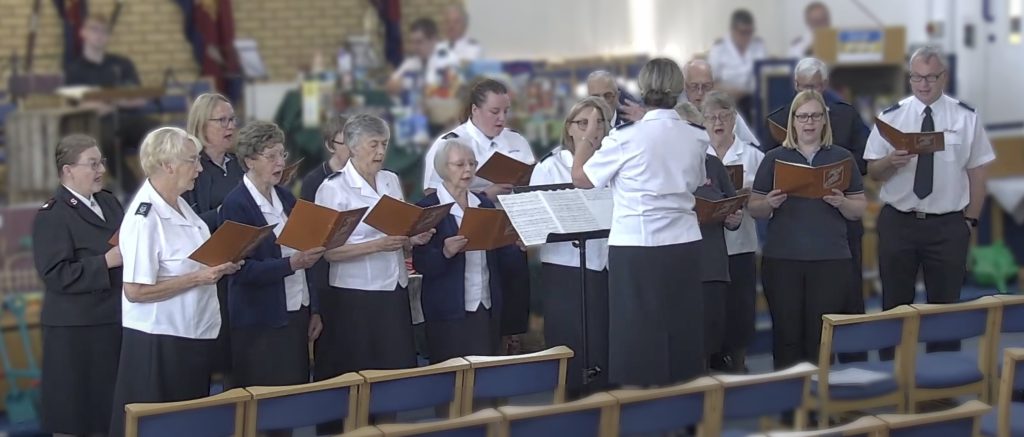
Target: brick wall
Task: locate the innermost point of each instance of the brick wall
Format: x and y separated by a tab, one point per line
150	32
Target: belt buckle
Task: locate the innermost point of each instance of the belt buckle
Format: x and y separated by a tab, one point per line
920	215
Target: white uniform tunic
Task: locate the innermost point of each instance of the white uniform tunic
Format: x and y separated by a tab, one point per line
744	239
733	69
508	142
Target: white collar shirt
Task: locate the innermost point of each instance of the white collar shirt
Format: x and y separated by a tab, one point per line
89	202
507	142
296	292
734	69
477	284
744	239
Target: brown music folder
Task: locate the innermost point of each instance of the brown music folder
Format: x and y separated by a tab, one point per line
735	175
289	172
231	243
778	131
715	211
812	182
503	169
487	229
397	218
913	142
310	226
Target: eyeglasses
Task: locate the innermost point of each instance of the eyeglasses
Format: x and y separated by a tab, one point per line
463	164
929	78
190	160
699	87
584	123
94	165
283	156
724	118
804	118
226	121
607	96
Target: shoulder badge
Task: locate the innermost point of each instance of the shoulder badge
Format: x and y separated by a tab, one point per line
450	135
48	204
696	125
891	108
965	106
73	201
144	209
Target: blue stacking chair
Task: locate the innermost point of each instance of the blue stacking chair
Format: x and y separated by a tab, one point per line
762	396
962	421
851	333
668	409
394	391
1008	419
483	423
943	375
516	375
215	416
587	417
867	426
297	406
1009	320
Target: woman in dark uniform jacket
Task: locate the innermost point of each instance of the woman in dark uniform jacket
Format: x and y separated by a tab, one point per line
273	312
81	314
462	291
806	252
212	120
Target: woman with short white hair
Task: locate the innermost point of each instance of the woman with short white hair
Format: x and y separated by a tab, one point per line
170	312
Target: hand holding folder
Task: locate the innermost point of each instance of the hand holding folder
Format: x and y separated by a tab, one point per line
487	229
912	142
715	211
311	226
502	169
812	182
231	243
399	219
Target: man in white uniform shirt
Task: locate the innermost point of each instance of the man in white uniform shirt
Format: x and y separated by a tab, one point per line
699	81
732	59
932	200
427	59
456	21
816	16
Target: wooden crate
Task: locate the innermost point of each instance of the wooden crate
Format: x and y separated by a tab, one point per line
32	137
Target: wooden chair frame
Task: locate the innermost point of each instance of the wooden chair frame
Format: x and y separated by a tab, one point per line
602	401
458	366
134	412
971	409
994	352
490	417
802	371
711	388
1011	357
352	380
560	353
870	426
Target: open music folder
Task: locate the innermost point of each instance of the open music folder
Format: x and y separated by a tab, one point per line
812	182
487	229
536	214
913	142
503	169
715	211
777	131
397	218
289	172
231	243
311	225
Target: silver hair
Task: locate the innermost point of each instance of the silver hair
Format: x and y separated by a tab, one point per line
444	153
926	53
808	67
718	100
360	126
694	63
601	74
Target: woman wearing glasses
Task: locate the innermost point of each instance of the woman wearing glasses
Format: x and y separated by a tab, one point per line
560	262
806	258
81	314
273	312
169	312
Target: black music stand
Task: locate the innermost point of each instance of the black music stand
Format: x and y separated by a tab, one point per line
579	241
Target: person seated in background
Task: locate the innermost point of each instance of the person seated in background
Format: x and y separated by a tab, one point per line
699	82
625	108
732	59
456	22
816	16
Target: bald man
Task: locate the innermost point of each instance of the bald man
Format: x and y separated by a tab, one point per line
698	80
627	108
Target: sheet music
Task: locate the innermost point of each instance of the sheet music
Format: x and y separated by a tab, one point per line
530	216
599	201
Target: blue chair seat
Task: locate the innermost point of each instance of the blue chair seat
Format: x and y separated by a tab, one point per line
990	424
946	369
863	391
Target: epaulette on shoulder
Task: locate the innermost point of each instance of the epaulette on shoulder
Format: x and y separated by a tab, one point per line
550	153
965	106
696	125
891	108
46	206
450	135
332	175
753	144
144	209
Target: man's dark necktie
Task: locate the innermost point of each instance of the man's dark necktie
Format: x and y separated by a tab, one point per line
925	173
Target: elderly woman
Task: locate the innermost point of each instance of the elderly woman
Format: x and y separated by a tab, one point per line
806	252
366	315
81	314
656	324
560	262
273	316
169	312
462	292
719	113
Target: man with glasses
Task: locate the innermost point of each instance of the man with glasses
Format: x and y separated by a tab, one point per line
932	200
625	108
732	59
698	81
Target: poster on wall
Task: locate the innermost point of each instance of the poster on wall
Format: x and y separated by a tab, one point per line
855	46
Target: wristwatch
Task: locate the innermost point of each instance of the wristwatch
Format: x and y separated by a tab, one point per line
971	221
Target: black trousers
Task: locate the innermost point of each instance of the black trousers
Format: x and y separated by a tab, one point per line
936	244
798	294
740	304
714	316
855	300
